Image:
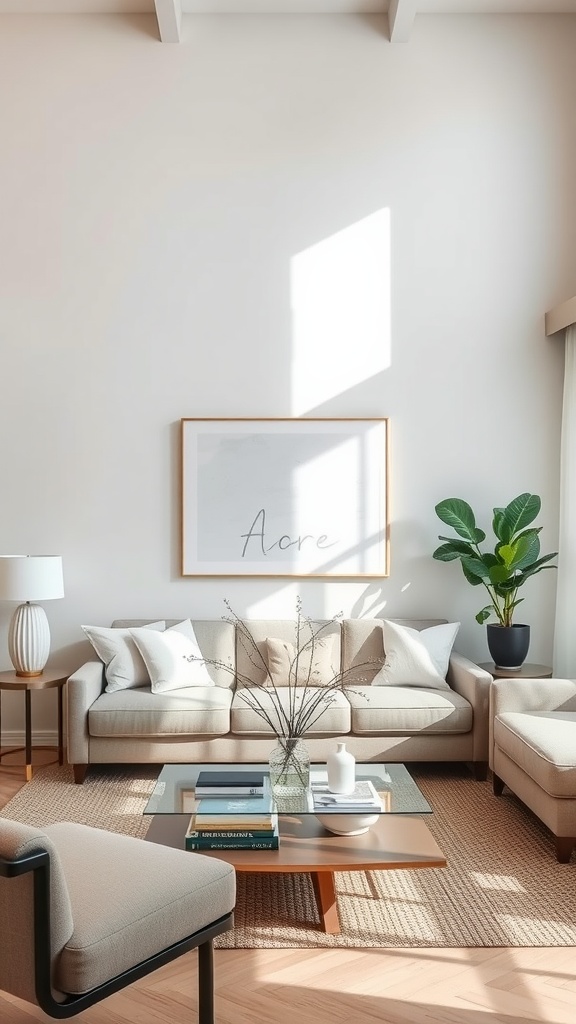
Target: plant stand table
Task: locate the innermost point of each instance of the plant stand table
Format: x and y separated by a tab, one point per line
526	671
49	679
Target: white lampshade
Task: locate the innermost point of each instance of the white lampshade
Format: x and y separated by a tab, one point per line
31	577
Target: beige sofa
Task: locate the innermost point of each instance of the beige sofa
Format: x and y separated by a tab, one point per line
378	723
533	750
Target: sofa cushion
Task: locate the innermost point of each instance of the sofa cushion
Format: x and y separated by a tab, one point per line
400	710
314	665
173	658
178	894
335	718
416	657
363	646
198	710
216	640
251	663
542	744
124	665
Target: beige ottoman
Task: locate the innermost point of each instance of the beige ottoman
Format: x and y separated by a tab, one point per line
533	750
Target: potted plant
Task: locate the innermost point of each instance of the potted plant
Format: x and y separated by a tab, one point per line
515	558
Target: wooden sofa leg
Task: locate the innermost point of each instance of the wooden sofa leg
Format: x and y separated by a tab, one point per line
564	847
497	785
79	773
480	770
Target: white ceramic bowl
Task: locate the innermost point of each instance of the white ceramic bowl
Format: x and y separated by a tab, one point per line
347	824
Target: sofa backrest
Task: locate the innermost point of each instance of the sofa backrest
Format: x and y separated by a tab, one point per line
216	641
251	664
363	646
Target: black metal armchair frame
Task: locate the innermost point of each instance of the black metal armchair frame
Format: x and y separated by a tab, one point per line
39	863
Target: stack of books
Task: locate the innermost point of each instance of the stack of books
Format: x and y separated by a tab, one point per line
235	812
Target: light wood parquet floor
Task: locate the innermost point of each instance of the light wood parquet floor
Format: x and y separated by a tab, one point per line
375	986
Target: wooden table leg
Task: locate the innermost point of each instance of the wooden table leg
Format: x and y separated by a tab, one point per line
323	882
28	738
60	729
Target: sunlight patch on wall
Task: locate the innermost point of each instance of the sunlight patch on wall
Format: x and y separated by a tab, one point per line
340	294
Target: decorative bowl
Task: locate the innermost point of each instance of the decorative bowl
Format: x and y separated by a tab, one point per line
347	824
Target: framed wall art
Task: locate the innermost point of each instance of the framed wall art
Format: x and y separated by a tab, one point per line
285	497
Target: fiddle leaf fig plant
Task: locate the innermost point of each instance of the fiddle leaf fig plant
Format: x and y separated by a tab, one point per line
515	558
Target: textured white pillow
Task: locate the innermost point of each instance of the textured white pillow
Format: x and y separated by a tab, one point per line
170	657
115	647
416	657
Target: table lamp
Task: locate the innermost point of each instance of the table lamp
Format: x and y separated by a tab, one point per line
30	578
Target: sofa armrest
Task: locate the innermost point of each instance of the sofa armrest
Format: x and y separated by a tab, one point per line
82	689
533	695
473	683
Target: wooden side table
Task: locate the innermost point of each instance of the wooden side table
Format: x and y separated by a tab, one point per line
52	677
526	671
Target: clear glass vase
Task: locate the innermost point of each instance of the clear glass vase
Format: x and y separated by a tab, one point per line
289	765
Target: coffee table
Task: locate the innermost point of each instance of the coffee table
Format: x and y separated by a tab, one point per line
398	839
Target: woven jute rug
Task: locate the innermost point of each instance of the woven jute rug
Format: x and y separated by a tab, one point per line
502	887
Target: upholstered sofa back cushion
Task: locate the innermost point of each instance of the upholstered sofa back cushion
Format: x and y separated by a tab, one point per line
363	646
216	641
251	664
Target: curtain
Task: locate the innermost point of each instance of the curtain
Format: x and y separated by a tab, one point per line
565	629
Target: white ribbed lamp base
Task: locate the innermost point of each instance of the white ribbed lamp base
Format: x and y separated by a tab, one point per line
29	640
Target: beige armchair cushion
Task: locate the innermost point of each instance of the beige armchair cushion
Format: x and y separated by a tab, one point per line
543	745
177	893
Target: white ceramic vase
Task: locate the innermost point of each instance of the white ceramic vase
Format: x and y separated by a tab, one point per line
341	765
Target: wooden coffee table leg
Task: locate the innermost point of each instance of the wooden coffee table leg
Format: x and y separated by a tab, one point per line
323	882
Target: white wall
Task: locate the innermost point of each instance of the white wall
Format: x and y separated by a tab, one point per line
152	202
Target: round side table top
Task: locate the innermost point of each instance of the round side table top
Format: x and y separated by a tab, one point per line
526	671
50	677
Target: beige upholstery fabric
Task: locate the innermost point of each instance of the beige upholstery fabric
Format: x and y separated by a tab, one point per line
251	665
543	745
131	899
198	710
363	646
533	746
314	666
335	717
397	710
215	640
16	913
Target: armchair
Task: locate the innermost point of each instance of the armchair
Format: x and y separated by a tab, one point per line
86	912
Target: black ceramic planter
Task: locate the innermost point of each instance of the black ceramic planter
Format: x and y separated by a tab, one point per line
508	645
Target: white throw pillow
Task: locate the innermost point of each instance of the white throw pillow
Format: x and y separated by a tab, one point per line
416	657
314	663
124	667
171	657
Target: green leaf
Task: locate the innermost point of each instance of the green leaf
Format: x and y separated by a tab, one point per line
499	573
497	522
461	546
535	568
476	566
471	576
459	515
518	514
446	553
485	613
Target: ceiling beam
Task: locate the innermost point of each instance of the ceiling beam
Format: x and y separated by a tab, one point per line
169	15
401	14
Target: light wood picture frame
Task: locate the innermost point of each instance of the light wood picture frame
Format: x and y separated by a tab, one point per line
285	497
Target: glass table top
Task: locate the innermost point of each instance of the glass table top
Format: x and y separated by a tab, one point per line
174	790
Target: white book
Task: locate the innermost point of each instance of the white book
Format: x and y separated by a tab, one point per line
364	797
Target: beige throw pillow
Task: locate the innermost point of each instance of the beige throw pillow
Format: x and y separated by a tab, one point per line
314	663
416	657
124	667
